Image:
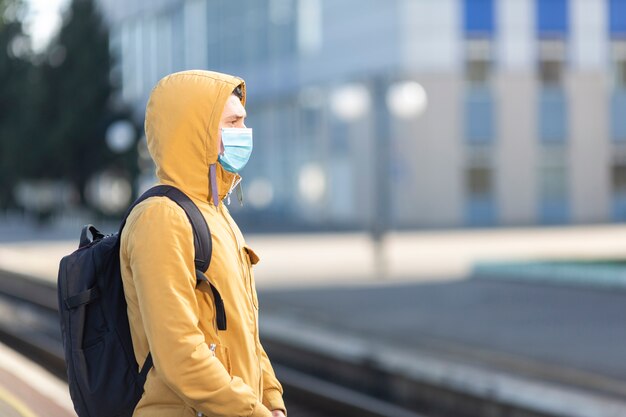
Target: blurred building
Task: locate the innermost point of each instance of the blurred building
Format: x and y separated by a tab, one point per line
524	123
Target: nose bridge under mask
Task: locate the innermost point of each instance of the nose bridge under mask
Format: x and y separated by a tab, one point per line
237	143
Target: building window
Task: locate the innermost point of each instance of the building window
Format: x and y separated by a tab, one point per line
230	48
552	106
479	117
550	71
552	116
309	26
617	16
478	62
552	18
620	73
479	182
478	71
195	34
554	202
618	182
618	116
310	121
217	24
618	176
618	96
479	104
479	17
282	29
340	138
552	56
256	39
178	37
480	206
165	42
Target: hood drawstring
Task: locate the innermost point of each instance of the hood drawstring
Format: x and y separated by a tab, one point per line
240	194
236	186
213	181
214	190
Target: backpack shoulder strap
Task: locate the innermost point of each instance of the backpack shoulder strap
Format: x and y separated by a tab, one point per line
201	234
201	239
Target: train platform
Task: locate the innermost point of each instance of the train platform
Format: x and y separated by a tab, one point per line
351	258
27	390
545	349
542	346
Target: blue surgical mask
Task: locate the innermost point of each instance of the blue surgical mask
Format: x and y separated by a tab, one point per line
237	148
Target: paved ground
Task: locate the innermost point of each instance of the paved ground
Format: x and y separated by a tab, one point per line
540	329
27	390
294	260
553	333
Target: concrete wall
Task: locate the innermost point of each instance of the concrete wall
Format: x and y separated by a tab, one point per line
589	158
432	149
516	149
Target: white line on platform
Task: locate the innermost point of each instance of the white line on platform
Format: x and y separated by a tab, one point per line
35	376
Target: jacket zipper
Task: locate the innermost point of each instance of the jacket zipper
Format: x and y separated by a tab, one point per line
247	276
243	264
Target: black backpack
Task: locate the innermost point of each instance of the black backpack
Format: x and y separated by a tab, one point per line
103	374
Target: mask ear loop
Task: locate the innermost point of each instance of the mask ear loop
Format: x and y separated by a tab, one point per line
213	180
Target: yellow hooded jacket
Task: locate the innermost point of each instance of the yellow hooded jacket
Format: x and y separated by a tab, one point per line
169	316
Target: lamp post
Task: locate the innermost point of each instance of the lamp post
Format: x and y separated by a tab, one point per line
380	164
403	100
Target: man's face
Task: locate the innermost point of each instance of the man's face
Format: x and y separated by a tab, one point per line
234	115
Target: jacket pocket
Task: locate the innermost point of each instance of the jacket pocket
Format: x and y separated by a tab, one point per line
252	259
252	256
223	355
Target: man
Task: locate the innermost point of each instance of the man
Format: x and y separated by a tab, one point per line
198	369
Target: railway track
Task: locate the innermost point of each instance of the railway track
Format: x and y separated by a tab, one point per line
29	323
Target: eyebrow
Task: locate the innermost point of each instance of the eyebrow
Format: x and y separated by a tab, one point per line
237	116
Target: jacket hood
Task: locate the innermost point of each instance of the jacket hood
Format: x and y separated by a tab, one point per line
182	122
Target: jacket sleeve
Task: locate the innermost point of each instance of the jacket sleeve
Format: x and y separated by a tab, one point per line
161	252
272	389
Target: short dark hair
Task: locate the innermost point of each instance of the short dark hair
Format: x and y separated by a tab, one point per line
238	91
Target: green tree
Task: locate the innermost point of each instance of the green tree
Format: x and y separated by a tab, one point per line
15	72
74	104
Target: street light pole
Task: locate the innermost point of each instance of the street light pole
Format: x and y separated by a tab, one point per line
404	100
381	193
